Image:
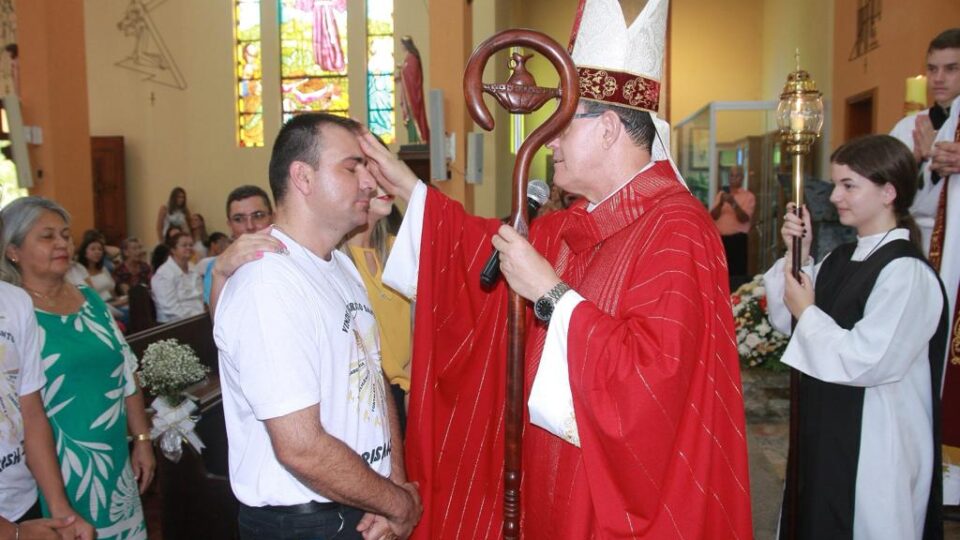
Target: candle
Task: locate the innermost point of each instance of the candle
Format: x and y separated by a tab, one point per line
796	121
917	90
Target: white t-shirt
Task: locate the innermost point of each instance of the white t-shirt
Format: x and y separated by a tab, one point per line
178	294
20	374
293	331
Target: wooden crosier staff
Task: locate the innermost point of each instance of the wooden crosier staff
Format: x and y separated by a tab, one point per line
519	95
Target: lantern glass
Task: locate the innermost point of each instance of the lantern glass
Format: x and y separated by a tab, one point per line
800	112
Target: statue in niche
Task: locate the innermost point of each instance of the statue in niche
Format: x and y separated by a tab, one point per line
412	104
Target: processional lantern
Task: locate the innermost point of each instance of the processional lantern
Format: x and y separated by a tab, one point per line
800	118
519	95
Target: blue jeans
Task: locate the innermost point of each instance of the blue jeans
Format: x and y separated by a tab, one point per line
274	523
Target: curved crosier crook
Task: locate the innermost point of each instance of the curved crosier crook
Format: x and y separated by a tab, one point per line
519	95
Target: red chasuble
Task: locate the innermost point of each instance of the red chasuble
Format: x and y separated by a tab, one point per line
653	369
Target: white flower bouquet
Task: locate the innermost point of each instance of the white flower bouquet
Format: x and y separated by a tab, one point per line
757	341
169	367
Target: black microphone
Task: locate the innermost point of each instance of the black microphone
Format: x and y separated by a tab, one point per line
537	193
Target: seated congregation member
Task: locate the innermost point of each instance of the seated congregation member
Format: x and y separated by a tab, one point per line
217	242
111	254
869	340
90	257
367	247
132	269
198	230
177	291
91	396
314	446
26	442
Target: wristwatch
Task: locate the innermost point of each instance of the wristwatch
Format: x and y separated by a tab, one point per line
543	307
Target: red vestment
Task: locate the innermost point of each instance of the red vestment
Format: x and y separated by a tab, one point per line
653	368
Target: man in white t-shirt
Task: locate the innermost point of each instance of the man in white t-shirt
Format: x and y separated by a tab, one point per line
314	446
22	419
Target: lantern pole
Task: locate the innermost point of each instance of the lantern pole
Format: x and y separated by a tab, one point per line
800	118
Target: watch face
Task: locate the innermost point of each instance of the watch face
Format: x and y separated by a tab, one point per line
543	309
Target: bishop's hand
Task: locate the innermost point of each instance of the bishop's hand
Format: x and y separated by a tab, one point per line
525	270
390	172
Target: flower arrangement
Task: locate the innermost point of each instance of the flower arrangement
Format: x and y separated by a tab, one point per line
168	368
757	341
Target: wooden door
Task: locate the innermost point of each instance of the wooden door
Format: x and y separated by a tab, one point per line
109	188
861	115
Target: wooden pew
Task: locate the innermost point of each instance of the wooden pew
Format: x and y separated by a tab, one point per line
196	498
143	314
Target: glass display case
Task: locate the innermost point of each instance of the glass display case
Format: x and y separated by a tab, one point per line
722	135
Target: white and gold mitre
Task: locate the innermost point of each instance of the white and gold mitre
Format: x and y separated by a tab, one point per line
620	63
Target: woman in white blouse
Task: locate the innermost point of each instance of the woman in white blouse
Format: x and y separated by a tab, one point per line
176	285
869	345
90	266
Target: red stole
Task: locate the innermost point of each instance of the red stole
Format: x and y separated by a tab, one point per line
950	403
653	370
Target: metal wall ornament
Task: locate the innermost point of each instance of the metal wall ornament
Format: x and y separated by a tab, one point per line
150	55
868	14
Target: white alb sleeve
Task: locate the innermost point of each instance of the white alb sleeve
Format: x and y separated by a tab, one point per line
403	265
899	318
551	401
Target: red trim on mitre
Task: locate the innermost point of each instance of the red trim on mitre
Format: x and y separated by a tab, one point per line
576	26
619	88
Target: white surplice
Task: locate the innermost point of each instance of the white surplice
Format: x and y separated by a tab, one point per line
886	353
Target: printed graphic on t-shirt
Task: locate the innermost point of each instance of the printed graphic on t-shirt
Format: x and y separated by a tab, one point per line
11	432
365	375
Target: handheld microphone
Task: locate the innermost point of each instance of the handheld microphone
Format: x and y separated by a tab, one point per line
537	193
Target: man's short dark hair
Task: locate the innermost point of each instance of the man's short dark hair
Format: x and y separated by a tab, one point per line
638	124
214	238
299	140
948	39
245	192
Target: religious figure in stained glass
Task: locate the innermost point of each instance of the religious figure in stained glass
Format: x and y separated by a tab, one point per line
327	52
249	73
313	53
380	66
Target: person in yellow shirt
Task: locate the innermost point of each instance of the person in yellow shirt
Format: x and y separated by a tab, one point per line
368	247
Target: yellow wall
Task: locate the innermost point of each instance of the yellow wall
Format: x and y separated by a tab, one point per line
55	100
715	53
186	137
903	33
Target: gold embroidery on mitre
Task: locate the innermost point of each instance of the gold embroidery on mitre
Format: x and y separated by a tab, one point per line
638	91
597	84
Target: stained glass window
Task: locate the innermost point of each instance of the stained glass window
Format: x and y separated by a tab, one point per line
380	67
313	57
249	73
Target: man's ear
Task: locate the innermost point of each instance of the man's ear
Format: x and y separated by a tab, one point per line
301	177
612	128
